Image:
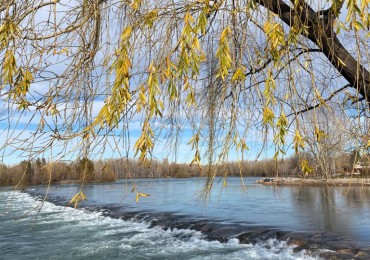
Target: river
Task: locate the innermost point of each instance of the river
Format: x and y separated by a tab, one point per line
239	221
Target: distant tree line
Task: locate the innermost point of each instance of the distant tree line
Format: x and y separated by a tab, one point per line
86	170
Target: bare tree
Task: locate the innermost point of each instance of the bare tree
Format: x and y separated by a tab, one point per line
326	141
83	71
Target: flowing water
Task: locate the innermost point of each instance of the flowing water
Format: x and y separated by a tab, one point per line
110	225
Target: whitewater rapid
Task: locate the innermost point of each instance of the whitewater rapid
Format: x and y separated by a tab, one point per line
32	229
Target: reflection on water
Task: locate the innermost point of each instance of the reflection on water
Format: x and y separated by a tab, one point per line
340	210
343	210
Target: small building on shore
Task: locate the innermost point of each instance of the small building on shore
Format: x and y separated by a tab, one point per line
360	167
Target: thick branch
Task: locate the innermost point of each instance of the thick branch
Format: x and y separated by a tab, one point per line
320	31
334	9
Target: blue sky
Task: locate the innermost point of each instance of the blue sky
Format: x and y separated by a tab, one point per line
17	134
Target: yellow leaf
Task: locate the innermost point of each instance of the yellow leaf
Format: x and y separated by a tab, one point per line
188	18
82	196
126	33
196	158
135	4
243	145
223	54
77	198
194	140
319	134
298	141
267	116
306	168
196	43
202	22
341	62
9	67
238	75
358	25
141	194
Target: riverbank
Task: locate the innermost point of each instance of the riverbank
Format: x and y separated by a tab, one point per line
315	182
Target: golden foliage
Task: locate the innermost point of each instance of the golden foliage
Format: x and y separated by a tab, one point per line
145	143
298	142
9	68
223	54
77	198
281	133
306	168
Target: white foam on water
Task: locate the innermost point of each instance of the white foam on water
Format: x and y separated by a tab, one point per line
83	233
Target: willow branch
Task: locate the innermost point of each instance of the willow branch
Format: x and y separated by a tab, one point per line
333	94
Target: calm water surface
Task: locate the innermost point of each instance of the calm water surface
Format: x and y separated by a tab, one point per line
61	232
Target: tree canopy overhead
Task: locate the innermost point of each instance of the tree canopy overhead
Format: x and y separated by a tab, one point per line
233	72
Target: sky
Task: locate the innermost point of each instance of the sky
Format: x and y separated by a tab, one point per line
17	128
19	133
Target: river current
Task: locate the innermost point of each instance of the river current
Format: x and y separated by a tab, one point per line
111	225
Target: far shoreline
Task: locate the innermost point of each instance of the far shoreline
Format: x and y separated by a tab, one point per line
271	181
294	181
